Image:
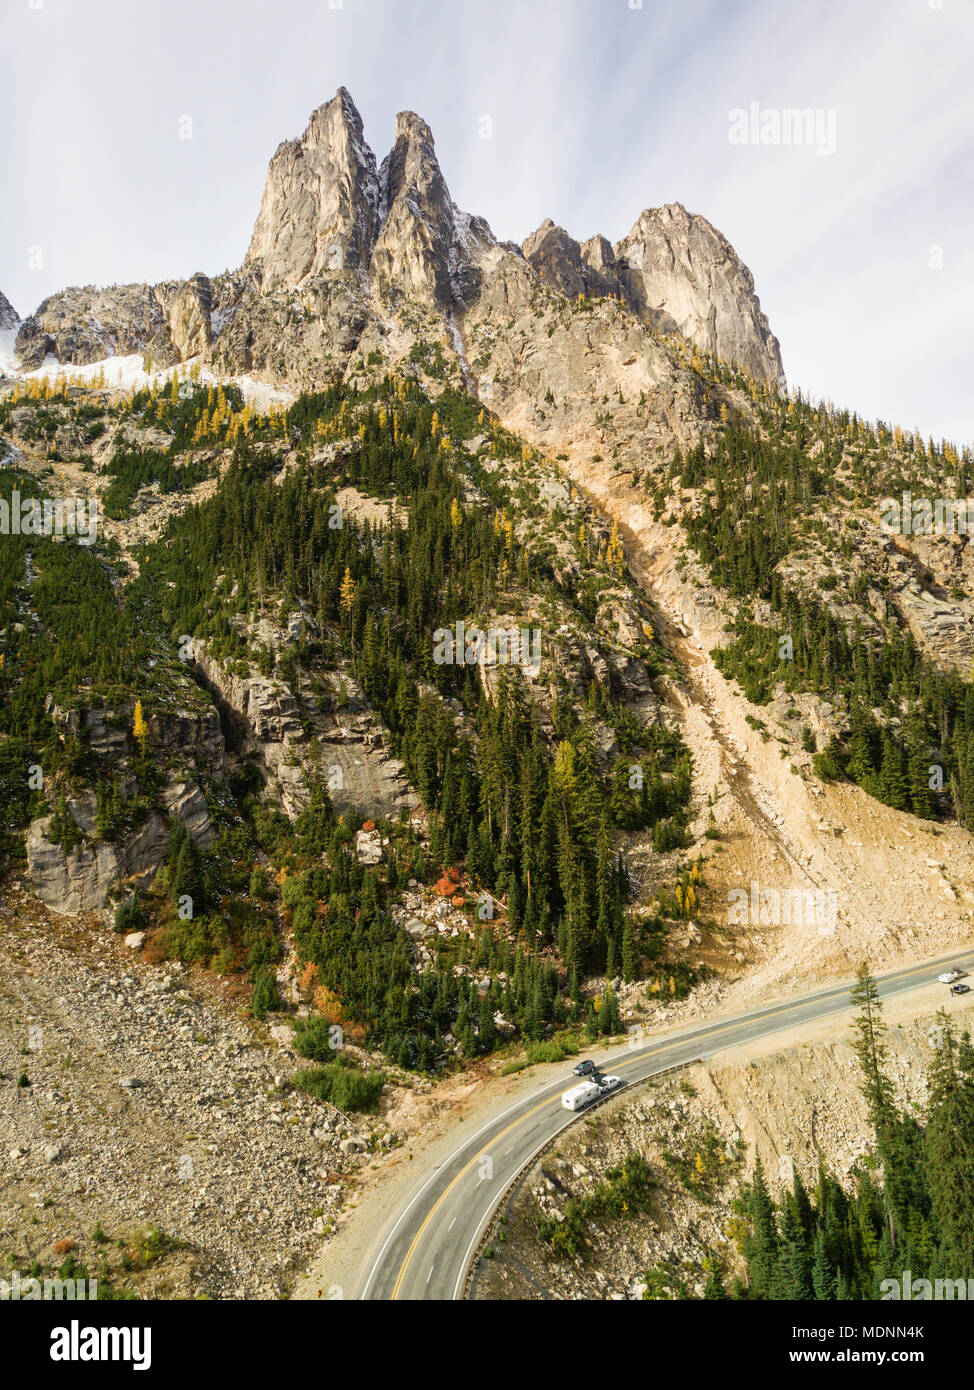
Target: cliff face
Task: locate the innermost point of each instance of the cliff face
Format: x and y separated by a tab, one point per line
562	263
685	276
168	323
320	207
8	314
327	208
678	273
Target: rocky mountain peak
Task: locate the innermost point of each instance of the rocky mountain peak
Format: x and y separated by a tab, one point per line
677	272
559	260
327	207
352	239
320	207
413	129
683	275
411	169
424	242
9	318
597	252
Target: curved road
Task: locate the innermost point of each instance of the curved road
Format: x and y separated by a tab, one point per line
426	1250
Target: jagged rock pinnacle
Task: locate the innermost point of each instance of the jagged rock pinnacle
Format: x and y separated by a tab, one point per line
320	207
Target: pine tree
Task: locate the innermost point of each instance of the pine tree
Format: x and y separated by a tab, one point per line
869	1034
761	1244
630	951
892	776
608	1012
823	1275
714	1286
949	1153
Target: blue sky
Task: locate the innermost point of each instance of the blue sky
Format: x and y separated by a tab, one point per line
863	258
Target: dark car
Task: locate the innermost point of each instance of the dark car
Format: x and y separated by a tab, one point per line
584	1068
960	989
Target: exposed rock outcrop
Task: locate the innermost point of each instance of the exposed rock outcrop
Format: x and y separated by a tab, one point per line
70	883
192	734
169	322
185	801
425	243
9	318
260	710
263	715
560	261
188	308
599	255
678	273
320	207
683	275
82	325
82	879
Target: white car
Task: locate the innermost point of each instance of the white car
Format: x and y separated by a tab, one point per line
950	977
610	1083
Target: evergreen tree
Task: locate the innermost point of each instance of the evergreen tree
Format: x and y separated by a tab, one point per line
949	1151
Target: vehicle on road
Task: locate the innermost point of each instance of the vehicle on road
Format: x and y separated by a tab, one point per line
584	1068
960	989
610	1083
950	976
581	1096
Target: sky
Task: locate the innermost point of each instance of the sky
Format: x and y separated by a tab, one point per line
136	137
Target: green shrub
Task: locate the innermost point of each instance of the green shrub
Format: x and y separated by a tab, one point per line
553	1049
826	766
129	917
343	1085
313	1039
265	998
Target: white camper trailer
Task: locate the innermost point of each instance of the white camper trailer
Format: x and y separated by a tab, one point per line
580	1096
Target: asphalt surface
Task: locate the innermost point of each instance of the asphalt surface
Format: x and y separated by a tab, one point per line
426	1249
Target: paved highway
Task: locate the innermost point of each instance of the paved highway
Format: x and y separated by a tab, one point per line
425	1250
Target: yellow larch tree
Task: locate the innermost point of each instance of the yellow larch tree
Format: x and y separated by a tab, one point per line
347	593
140	729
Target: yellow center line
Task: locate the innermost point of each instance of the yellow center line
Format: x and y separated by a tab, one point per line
445	1193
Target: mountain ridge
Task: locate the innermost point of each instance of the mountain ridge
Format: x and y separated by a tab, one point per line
346	238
